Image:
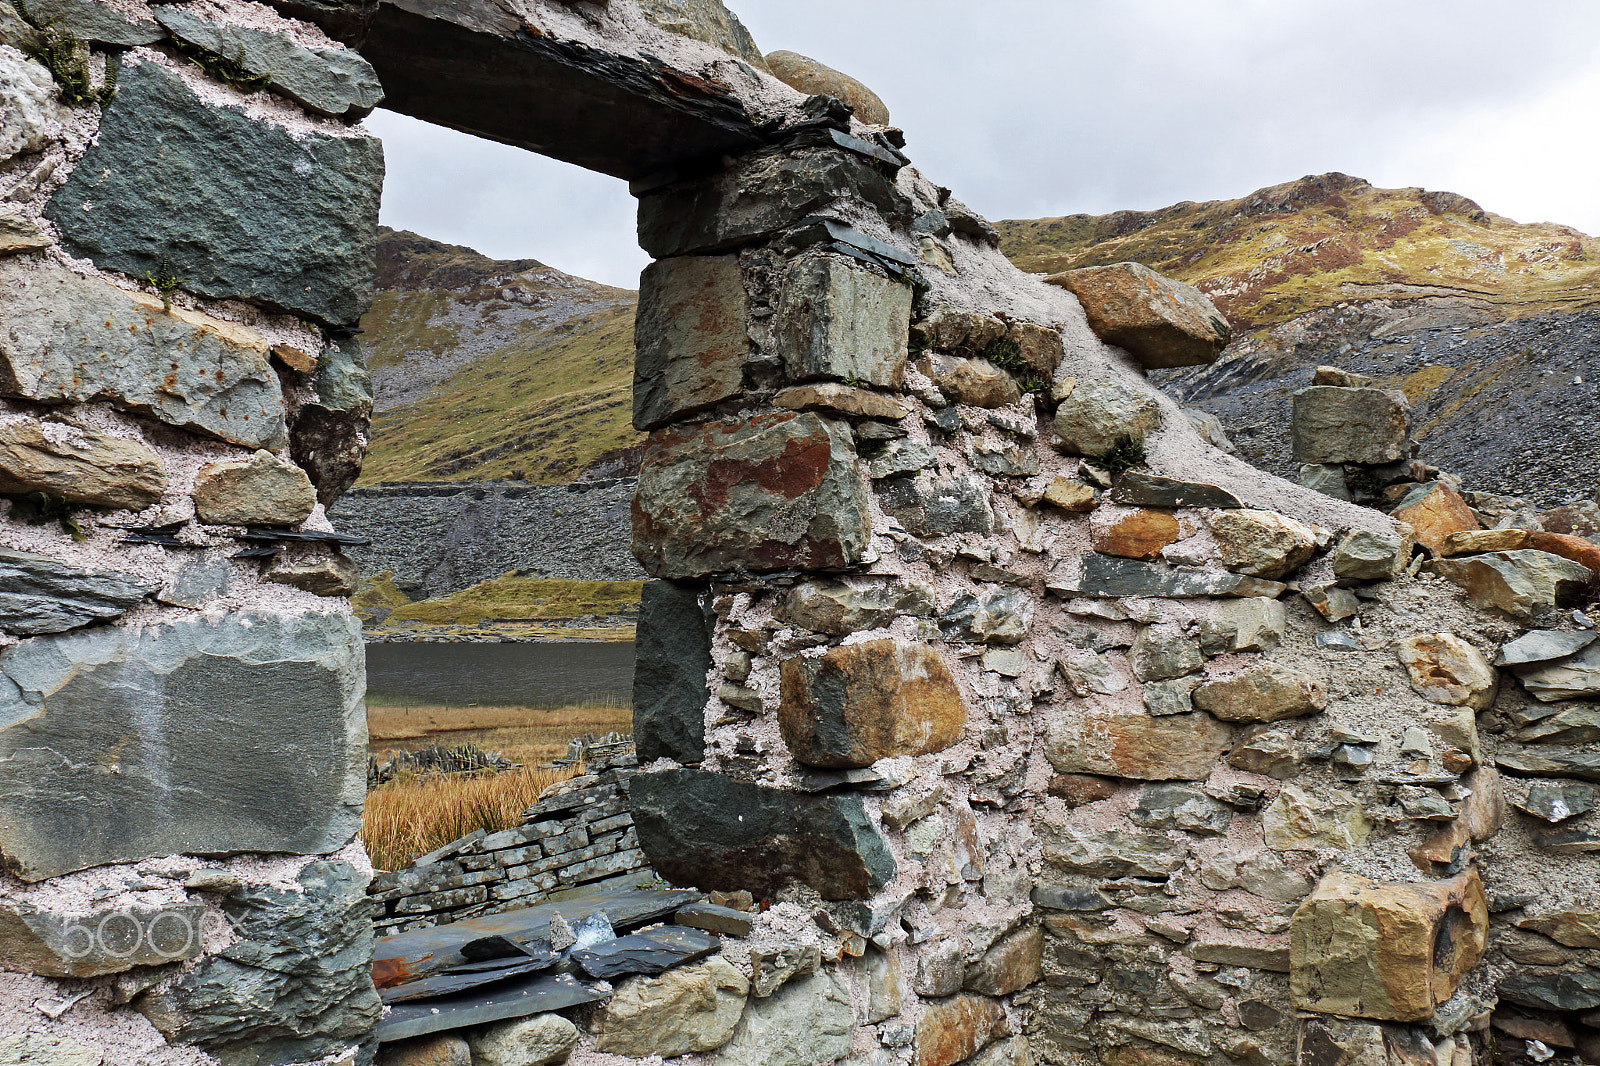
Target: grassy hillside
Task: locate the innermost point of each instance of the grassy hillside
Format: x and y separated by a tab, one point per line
487	368
1322	240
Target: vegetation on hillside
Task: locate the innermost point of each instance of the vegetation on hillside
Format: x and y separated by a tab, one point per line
1315	242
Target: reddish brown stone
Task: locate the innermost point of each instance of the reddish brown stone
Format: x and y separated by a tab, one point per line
860	703
1437	515
1178	747
956	1028
1140	535
1159	321
773	492
1581	551
690	337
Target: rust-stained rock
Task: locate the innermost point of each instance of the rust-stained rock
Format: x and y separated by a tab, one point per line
1473	541
1011	965
1576	927
1435	511
810	77
977	382
1140	535
1177	747
1159	321
1579	549
690	337
1265	692
1446	669
1520	583
771	492
841	399
1070	495
78	464
1387	951
863	702
953	1029
1261	543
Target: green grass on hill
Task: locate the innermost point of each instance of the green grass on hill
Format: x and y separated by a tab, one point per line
522	598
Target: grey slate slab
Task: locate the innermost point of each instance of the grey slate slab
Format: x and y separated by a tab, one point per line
39	595
448	984
1152	490
1542	645
532	995
645	953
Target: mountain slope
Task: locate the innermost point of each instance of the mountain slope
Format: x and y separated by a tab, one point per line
486	368
1492	328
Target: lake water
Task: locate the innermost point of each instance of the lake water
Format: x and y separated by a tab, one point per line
528	675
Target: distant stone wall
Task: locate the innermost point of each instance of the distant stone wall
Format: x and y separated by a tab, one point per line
578	839
442	537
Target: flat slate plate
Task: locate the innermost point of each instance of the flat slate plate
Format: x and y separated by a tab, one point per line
517	999
446	984
646	953
424	952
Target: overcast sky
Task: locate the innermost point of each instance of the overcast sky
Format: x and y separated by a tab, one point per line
1033	108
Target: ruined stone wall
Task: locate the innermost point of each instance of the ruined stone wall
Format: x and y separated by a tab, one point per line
440	538
188	208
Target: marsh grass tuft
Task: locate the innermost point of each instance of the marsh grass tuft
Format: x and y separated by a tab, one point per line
1124	455
412	816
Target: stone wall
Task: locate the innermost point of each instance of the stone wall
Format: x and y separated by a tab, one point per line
183	259
441	537
579	838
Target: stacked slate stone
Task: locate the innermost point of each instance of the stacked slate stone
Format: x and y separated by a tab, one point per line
1079	740
183	259
577	840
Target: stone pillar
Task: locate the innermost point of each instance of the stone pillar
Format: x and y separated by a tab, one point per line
186	244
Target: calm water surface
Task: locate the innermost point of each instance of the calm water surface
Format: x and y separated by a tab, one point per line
533	675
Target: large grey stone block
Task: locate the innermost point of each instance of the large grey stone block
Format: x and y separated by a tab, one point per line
205	736
294	987
40	595
71	339
1333	424
691	337
844	322
703	829
760	195
239	207
335	82
772	492
672	657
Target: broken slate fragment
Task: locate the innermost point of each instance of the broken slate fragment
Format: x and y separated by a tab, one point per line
1556	801
714	919
1152	490
1105	576
648	953
1543	645
538	994
1564	679
39	595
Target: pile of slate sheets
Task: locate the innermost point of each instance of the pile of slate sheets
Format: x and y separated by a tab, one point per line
501	967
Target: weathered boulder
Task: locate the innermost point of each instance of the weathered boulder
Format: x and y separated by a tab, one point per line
1163	652
1342	425
957	1028
1580	550
1434	512
810	77
1576	927
1363	555
244	732
20	234
1070	495
707	830
71	339
330	81
103	940
673	653
1265	692
1472	541
262	490
29	115
1039	346
1563	679
1261	543
296	983
323	573
687	1009
691	337
1388	951
235	206
994	616
1160	322
771	492
1520	583
1094	415
1140	535
704	20
856	704
535	1041
1443	668
29	1049
1138	489
40	595
977	382
838	609
949	329
844	322
808	1021
1183	747
1182	807
83	465
1254	623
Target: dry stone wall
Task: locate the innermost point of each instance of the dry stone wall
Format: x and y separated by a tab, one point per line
187	220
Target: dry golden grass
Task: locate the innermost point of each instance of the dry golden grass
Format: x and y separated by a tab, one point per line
412	816
527	735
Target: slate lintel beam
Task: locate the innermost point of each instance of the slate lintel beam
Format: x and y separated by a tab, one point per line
474	66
